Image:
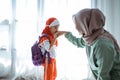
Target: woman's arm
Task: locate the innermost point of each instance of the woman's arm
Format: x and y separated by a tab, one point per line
105	52
76	41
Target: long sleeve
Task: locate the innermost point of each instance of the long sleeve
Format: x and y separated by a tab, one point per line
104	59
45	46
76	41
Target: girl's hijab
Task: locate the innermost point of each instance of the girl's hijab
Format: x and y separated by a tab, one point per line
47	30
90	23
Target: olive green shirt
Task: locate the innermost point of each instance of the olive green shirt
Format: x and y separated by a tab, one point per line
102	56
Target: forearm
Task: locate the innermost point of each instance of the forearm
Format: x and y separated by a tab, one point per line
52	43
76	41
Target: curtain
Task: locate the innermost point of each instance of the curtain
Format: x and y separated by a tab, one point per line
26	34
5	41
27	22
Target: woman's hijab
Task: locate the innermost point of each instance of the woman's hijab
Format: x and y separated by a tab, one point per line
90	23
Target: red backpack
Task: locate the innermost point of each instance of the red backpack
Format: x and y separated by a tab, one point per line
37	56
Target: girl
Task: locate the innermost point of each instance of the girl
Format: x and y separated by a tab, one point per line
51	28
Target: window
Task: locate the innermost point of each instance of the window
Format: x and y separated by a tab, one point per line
5	53
31	16
71	61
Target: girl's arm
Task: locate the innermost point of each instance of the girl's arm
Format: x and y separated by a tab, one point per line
52	43
56	35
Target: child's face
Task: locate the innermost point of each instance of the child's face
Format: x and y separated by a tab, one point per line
54	29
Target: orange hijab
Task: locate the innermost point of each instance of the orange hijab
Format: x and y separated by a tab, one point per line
47	31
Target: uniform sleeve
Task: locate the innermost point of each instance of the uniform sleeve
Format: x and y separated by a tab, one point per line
76	41
45	44
104	60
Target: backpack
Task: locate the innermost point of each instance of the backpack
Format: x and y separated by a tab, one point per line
37	56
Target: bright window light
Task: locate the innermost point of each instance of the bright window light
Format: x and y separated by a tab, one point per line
5	9
71	61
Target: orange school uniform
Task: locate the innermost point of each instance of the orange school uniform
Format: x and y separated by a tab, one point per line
50	71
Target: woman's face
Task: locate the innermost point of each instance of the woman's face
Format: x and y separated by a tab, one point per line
54	29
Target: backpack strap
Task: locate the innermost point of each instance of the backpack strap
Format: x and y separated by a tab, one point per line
46	52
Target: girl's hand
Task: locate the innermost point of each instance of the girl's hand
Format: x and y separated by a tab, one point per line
39	45
56	35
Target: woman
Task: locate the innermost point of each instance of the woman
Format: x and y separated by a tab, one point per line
102	50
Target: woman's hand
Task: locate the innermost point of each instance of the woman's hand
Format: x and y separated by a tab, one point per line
59	33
